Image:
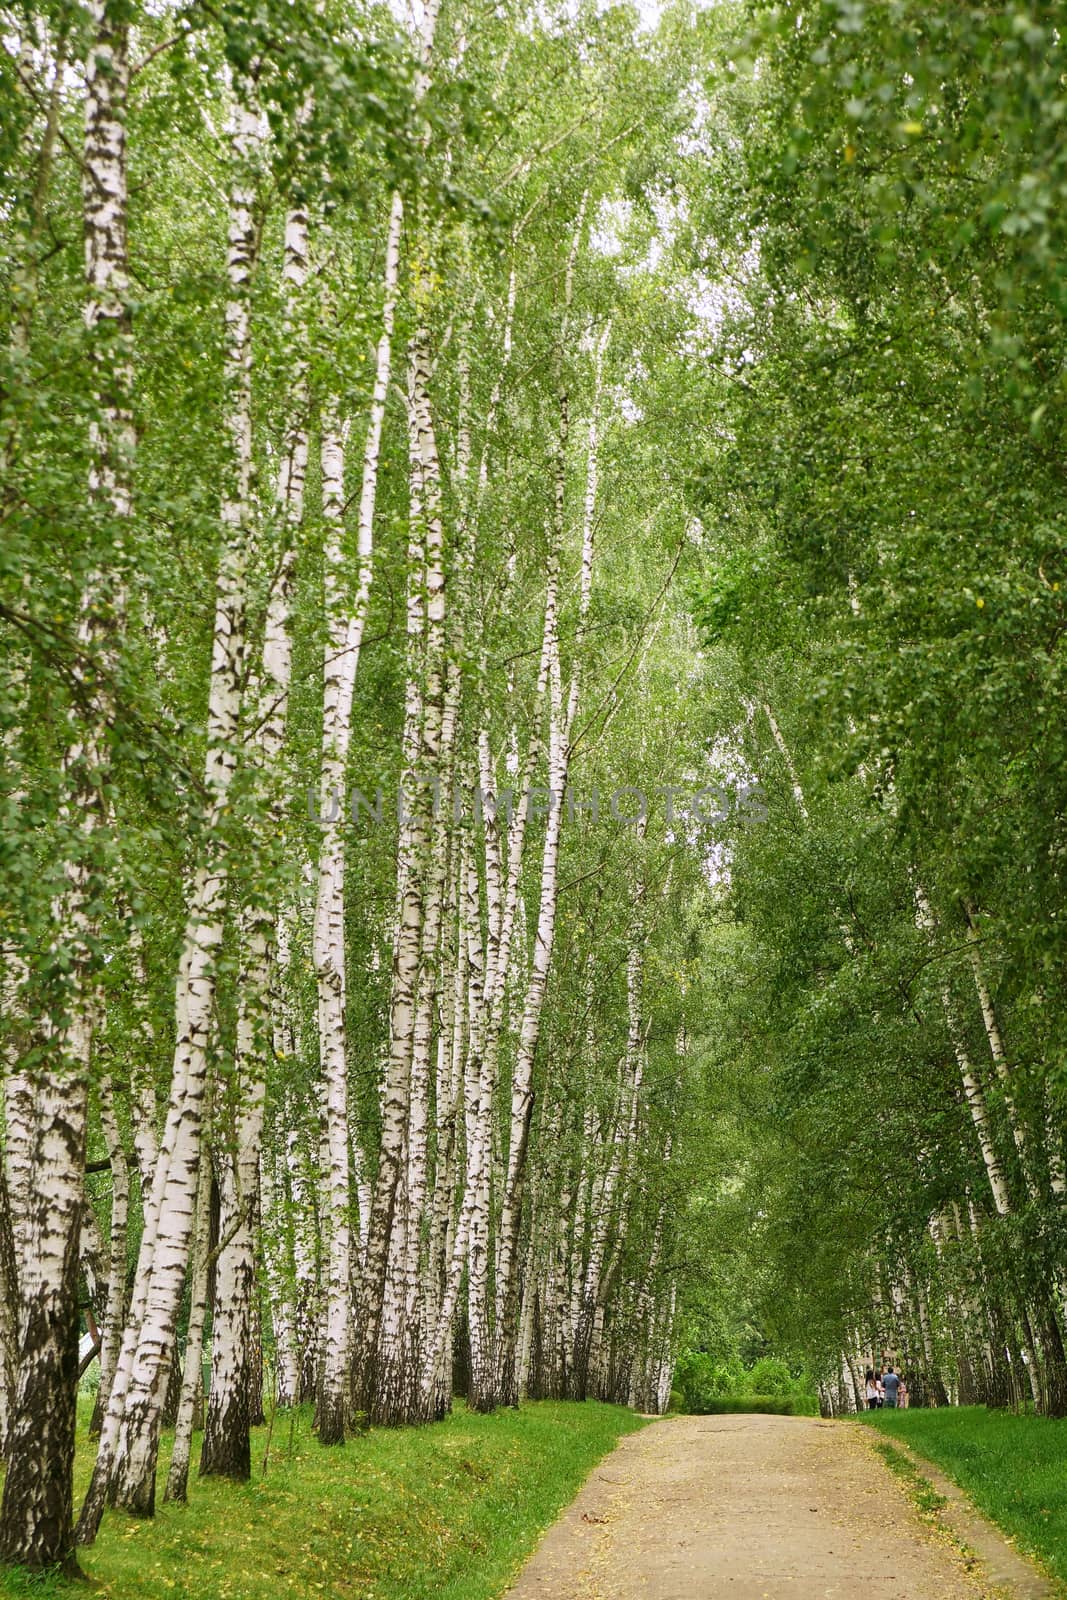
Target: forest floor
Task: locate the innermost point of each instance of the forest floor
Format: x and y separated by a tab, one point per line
763	1508
447	1511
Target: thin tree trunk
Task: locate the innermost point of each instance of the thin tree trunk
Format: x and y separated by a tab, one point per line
236	1358
330	952
177	1484
36	1516
305	1265
561	724
226	1450
997	1051
622	1143
9	1314
345	624
424	718
972	1089
398	1396
116	1279
126	1462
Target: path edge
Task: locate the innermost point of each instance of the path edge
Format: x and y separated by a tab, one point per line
1015	1573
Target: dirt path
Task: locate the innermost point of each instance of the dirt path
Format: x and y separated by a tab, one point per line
746	1508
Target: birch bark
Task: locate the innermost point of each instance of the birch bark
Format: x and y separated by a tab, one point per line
129	1443
345	625
434	1382
281	1276
226	1448
385	1257
424	725
561	723
111	1344
17	1162
972	1089
625	1134
306	1263
48	1123
192	1374
8	1313
399	1390
235	1351
329	945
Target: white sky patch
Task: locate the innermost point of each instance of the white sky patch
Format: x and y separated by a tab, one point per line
649	12
697	138
622	395
627	407
733	789
671	212
612	219
607	236
714	301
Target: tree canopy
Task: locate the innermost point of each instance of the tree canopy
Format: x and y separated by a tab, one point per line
531	593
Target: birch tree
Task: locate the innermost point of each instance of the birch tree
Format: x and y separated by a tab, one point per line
46	1121
126	1462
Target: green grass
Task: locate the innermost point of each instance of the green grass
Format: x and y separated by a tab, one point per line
921	1492
449	1511
1014	1468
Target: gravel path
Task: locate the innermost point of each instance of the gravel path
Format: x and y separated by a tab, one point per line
746	1508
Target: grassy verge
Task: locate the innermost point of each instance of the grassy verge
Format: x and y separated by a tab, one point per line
448	1511
1014	1468
928	1501
921	1492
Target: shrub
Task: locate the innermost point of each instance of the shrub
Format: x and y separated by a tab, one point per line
701	1379
770	1376
774	1405
677	1401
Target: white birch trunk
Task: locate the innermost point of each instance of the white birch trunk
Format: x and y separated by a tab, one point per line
972	1089
36	1516
329	946
176	1487
226	1448
129	1443
232	1404
997	1051
378	1218
9	1308
424	719
624	1138
280	1274
478	1105
561	723
400	1396
434	1385
305	1264
111	1343
144	1105
346	621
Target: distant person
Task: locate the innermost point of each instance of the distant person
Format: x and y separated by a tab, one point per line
871	1387
903	1398
891	1385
